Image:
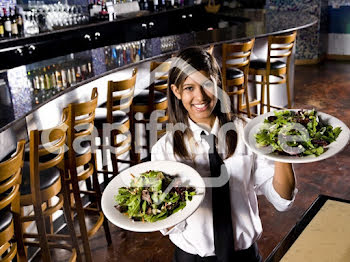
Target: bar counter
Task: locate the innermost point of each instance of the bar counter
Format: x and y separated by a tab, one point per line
26	93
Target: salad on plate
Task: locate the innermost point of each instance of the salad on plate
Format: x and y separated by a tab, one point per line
296	133
152	196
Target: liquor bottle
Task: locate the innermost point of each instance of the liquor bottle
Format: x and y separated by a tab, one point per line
30	79
46	79
78	76
161	5
90	5
7	24
52	77
19	20
84	72
36	82
41	79
14	28
155	5
168	4
138	52
64	78
142	4
176	3
103	15
58	78
2	30
150	5
74	79
90	69
143	49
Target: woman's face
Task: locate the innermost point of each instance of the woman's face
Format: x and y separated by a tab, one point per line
198	96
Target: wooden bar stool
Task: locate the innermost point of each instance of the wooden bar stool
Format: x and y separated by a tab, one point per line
118	112
42	188
81	166
11	241
277	64
235	69
155	98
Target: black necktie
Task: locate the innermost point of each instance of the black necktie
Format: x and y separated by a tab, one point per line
223	232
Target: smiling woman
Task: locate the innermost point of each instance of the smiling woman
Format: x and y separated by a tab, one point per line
226	225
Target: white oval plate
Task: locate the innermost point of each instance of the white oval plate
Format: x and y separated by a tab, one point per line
333	148
185	173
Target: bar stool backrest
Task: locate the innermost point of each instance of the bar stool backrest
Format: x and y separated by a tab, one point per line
10	179
159	71
159	82
280	46
81	118
47	149
122	101
236	55
237	51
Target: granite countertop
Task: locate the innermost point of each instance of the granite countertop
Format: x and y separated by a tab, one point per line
26	88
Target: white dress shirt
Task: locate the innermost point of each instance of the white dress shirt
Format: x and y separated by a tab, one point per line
250	175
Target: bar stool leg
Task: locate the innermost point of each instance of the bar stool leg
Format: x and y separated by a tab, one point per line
114	155
97	189
268	92
68	216
288	90
246	95
49	220
81	218
262	99
239	100
21	255
39	219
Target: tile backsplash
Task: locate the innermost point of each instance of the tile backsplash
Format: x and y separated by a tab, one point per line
310	37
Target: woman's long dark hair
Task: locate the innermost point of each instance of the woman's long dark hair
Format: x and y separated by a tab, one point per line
187	62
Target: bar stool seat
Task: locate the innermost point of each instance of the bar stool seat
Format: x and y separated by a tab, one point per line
142	98
233	73
5	219
48	178
261	64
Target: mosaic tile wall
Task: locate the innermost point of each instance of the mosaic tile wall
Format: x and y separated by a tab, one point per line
310	37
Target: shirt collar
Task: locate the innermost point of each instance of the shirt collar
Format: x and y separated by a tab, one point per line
197	130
